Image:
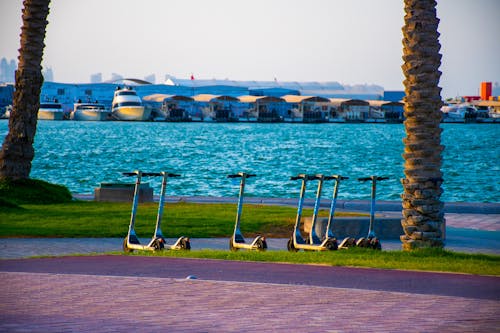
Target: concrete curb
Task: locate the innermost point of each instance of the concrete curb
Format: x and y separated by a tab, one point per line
350	205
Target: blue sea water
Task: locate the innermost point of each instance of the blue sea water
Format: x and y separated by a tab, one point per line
81	155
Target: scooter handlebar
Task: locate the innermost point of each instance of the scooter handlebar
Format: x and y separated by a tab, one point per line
304	176
171	174
241	174
338	177
364	179
150	174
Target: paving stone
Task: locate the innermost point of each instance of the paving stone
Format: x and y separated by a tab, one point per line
81	303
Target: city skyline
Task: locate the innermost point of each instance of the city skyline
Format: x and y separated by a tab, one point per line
355	42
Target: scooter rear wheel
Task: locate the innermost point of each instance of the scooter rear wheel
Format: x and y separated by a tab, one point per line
126	249
290	246
231	245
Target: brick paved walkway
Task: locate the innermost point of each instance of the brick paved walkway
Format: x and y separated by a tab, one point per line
39	302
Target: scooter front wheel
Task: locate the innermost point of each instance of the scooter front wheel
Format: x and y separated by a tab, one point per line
261	245
363	242
185	244
290	246
331	244
375	244
158	244
126	249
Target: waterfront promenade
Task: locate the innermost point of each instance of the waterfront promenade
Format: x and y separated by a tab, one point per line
113	293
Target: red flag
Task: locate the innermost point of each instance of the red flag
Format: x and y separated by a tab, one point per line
192	77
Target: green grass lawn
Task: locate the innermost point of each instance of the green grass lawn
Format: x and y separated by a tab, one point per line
425	260
106	219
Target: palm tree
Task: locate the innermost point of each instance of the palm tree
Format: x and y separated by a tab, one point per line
17	150
423	215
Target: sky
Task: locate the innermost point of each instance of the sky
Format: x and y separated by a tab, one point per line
349	41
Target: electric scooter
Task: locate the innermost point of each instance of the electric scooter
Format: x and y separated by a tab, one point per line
131	242
297	242
371	241
237	240
348	241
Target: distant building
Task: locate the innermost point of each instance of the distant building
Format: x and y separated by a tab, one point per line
48	74
150	78
116	77
393	96
7	70
495	91
6	94
278	89
96	78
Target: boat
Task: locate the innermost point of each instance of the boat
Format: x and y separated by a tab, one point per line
494	113
375	116
458	113
5	112
50	111
127	105
90	112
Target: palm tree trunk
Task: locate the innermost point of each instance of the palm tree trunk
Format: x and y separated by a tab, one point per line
423	215
17	150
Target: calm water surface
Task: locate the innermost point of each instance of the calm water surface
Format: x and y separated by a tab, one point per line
81	155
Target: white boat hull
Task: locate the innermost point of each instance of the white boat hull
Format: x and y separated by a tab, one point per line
132	113
336	120
90	115
50	115
294	120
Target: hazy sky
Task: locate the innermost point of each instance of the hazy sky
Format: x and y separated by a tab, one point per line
349	41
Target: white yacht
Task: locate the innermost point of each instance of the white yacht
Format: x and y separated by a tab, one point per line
90	112
128	106
50	111
458	113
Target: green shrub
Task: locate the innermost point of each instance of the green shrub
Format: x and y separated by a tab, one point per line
31	191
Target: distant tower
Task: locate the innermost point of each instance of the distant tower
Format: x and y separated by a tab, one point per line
116	77
7	70
11	75
48	74
485	91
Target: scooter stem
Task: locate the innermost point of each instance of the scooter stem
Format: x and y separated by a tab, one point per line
159	216
313	237
135	202
243	176
297	234
333	205
371	233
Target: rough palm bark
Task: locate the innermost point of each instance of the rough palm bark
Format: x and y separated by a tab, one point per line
423	215
17	150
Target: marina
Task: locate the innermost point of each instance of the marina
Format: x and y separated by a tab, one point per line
81	155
